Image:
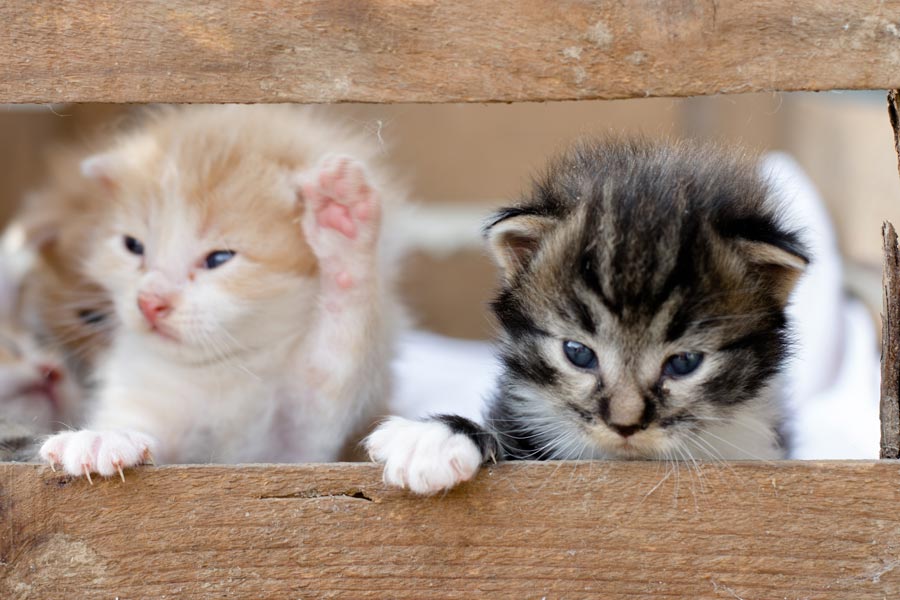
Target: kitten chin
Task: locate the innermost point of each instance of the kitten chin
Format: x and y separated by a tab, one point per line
642	315
240	249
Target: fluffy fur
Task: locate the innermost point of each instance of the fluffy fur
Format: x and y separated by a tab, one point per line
240	248
38	393
63	305
642	315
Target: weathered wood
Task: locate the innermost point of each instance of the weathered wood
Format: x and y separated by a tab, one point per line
894	117
601	529
432	51
890	321
890	345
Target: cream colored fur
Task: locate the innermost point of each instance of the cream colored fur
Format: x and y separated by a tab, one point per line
282	352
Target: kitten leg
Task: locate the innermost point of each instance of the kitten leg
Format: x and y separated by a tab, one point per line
345	355
83	452
433	455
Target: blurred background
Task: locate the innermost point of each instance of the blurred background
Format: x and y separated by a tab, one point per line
461	161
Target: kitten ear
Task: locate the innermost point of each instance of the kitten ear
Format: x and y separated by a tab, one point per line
785	259
102	168
132	156
514	237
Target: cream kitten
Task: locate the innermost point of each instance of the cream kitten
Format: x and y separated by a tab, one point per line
242	253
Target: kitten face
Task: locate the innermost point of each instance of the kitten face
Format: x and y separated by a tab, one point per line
202	254
35	389
67	310
643	307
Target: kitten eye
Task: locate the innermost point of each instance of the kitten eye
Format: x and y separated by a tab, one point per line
134	246
580	355
91	316
218	258
682	364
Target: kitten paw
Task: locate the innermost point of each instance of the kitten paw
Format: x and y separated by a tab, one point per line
425	457
104	452
342	214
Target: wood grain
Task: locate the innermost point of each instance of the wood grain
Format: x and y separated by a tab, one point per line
890	345
890	319
432	51
554	530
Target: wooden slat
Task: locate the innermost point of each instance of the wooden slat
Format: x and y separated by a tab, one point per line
434	51
889	406
890	318
554	530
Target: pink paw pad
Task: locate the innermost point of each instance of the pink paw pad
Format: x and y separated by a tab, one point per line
337	217
344	280
339	196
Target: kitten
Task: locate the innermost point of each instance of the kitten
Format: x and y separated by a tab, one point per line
67	310
241	249
37	392
642	310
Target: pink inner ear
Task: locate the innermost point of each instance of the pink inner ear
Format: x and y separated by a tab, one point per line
98	169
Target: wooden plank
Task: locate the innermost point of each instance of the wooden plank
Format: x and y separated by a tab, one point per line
890	345
554	530
890	328
432	51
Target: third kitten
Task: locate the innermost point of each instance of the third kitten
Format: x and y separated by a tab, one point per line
642	314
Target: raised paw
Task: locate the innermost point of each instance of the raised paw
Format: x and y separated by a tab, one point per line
424	457
342	213
104	452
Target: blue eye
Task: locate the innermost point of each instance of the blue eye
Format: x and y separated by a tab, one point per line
682	364
580	355
218	258
134	246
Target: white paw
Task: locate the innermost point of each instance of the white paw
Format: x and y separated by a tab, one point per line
104	452
425	457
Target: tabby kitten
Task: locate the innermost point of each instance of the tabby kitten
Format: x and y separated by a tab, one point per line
642	309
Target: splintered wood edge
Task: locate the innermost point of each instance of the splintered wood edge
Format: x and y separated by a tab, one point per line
320	51
890	346
893	100
525	530
890	328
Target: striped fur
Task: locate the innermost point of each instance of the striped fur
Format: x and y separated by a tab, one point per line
641	251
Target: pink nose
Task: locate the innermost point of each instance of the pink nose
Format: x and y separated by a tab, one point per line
154	307
50	373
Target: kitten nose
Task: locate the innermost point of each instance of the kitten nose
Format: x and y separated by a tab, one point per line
626	430
627	414
154	307
50	373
